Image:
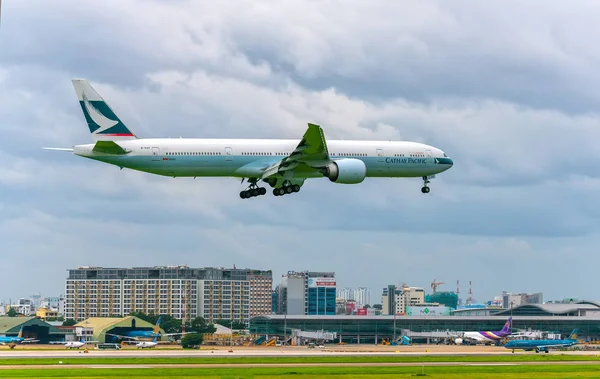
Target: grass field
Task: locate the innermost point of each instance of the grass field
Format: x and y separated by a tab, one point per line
468	372
81	359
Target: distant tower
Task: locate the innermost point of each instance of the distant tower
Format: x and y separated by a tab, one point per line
470	301
457	288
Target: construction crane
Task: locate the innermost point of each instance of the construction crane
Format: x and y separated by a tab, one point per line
434	285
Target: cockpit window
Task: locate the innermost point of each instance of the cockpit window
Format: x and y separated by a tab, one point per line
445	155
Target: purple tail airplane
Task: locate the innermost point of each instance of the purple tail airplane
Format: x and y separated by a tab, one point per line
487	337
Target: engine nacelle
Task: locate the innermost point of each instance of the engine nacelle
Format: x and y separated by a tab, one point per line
346	171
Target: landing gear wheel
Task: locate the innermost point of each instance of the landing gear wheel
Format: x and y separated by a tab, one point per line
262	191
296	188
288	189
243	194
425	189
255	192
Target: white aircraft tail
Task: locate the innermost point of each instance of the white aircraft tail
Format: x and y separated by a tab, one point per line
104	124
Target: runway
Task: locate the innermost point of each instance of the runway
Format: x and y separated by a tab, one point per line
333	351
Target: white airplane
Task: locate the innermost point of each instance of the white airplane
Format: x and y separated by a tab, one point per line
282	164
77	344
143	344
487	337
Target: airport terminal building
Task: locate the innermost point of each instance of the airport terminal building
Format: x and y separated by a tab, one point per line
558	318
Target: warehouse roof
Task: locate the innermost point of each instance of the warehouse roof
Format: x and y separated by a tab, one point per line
12	325
102	325
106	323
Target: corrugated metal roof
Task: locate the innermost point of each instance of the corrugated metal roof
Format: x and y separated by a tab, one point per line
13	324
102	325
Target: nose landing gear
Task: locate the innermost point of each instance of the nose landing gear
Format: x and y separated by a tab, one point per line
426	181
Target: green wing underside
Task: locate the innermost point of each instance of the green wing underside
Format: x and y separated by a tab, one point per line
310	154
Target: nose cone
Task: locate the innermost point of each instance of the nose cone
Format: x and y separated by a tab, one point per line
445	161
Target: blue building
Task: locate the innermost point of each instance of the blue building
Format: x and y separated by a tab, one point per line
321	296
306	293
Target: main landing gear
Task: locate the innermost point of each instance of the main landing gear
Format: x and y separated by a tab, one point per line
426	181
253	191
286	189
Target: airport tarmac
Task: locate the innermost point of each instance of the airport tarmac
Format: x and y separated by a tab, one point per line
289	351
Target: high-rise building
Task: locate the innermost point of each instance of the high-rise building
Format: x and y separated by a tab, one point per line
362	296
180	291
307	293
511	300
345	293
394	298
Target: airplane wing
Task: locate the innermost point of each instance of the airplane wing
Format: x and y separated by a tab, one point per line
311	152
120	336
552	346
177	334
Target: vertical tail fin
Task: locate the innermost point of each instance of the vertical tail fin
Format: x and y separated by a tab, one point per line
507	326
157	326
20	335
574	334
102	121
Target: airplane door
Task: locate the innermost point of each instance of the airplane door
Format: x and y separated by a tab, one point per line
428	153
155	154
228	154
379	155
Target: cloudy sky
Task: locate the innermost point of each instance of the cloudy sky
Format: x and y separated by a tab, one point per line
509	89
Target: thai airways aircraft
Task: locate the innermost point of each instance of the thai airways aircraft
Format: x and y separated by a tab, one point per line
12	341
542	345
487	337
282	164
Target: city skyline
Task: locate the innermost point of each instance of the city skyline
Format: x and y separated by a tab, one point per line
503	90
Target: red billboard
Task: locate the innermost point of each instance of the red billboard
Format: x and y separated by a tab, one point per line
361	312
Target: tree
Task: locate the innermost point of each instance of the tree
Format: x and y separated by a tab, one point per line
367	306
199	325
191	341
11	313
378	306
69	322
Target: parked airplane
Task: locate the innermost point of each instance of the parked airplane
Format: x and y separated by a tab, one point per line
145	333
142	334
542	345
12	341
487	337
282	164
77	344
147	344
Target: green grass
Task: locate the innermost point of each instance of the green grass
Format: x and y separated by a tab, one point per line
86	359
468	372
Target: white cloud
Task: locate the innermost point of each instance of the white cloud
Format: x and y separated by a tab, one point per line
509	104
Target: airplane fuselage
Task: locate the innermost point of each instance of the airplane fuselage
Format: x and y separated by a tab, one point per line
541	345
5	340
248	158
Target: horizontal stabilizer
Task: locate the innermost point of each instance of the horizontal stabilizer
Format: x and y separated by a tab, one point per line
70	149
109	147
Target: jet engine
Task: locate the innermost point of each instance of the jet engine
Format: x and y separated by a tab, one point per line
346	171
